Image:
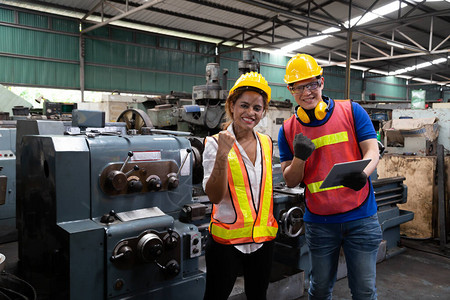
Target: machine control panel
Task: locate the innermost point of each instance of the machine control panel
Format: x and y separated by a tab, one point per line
160	248
195	244
141	176
6	154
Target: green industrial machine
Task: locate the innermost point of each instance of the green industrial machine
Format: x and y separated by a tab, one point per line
99	213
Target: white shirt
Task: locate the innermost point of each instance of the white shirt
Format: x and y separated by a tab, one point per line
224	210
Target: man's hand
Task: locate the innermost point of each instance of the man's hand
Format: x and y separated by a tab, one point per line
355	181
303	147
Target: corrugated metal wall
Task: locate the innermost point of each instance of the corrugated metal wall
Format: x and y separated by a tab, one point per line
43	50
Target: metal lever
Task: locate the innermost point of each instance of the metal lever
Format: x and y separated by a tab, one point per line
130	154
135	168
185	158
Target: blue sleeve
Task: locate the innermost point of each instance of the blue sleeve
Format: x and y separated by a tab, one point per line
363	123
283	147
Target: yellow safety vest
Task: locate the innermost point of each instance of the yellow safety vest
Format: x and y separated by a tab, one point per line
252	225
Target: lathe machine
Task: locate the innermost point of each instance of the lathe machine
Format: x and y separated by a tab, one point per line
99	215
8	230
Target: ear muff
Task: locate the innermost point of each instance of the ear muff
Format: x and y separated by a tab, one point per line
319	112
301	114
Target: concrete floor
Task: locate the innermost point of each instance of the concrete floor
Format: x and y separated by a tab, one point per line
422	272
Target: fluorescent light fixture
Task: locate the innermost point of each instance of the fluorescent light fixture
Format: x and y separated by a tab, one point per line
439	60
422	80
377	13
424	65
419	66
395	45
388	8
331	30
300	44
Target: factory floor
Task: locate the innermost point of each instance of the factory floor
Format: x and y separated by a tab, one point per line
421	271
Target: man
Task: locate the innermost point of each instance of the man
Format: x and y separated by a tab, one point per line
323	132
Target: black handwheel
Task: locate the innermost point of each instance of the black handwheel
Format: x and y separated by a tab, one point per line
135	119
292	222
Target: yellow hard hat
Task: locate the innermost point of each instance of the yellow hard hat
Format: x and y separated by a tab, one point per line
252	79
301	67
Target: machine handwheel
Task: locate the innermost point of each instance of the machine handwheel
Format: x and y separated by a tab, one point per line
292	222
135	119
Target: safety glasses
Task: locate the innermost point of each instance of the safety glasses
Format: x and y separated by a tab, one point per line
300	88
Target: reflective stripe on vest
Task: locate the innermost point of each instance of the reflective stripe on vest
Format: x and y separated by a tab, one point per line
329	139
251	225
335	142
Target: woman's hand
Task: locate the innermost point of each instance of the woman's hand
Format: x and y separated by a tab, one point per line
225	143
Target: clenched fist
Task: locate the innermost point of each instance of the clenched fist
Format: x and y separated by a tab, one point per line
303	147
225	143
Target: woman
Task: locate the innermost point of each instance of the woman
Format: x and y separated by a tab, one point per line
238	181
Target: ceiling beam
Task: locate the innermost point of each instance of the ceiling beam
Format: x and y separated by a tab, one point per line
393	57
121	16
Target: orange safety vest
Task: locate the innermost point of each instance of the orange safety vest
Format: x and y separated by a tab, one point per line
252	225
335	142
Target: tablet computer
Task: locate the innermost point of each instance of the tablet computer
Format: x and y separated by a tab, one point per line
339	170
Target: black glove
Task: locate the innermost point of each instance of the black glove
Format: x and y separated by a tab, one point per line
355	181
303	147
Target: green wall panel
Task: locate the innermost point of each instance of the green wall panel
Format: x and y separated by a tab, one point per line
40	44
69	26
6	15
385	90
148	58
189	63
176	62
201	62
188	83
162	83
99	32
170	43
7	42
148	81
38	73
233	71
206	48
175	82
133	80
146	39
98	51
275	75
33	20
121	35
281	93
6	69
280	60
188	46
162	62
98	78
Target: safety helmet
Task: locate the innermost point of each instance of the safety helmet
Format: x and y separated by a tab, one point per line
301	67
252	79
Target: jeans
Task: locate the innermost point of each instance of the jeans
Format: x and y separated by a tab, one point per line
360	240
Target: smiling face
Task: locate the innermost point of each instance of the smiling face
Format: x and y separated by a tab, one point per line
307	97
248	110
